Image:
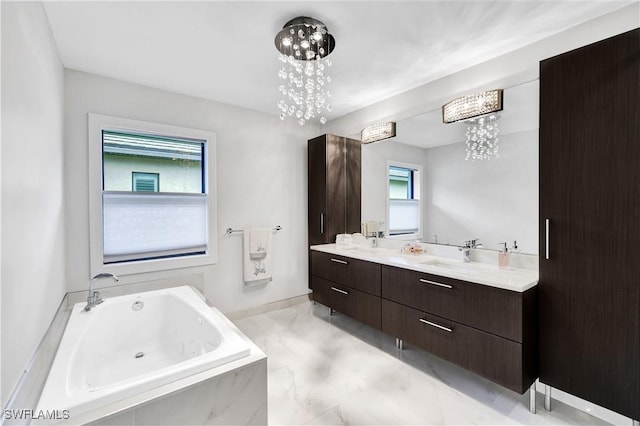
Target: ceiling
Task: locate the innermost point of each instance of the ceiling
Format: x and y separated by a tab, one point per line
224	51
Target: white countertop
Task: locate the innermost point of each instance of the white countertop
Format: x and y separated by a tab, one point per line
514	279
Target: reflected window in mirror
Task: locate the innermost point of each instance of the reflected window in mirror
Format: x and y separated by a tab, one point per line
404	212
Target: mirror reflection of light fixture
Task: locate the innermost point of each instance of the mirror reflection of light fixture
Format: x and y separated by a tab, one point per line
478	111
377	132
304	43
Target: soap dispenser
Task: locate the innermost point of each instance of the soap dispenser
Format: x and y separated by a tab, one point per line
503	256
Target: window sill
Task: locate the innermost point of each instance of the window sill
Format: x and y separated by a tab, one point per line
407	237
152	265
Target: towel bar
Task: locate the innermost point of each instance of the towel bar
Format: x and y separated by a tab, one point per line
231	230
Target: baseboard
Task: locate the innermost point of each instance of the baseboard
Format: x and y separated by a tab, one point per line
268	307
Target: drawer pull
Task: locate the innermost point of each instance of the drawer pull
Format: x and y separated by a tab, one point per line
435	283
433	324
339	291
344	262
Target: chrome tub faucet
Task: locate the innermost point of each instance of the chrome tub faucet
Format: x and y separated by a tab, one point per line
94	298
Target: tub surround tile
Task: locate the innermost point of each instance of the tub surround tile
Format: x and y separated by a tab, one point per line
330	369
28	390
111	413
108	288
238	397
122	419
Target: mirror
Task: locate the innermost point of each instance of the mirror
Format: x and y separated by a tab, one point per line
492	200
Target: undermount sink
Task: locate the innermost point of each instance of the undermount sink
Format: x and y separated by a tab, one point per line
460	267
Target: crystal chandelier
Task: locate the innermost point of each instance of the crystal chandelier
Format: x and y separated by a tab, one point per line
304	44
478	111
482	138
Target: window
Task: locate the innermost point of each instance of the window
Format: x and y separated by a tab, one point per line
140	223
404	214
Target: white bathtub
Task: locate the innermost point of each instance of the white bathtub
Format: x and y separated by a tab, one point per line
130	344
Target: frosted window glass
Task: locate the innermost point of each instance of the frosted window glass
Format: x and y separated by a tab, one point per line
149	225
404	216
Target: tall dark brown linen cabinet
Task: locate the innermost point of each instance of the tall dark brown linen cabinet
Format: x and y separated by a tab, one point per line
334	166
589	291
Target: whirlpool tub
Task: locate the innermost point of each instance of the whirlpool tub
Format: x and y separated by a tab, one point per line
130	344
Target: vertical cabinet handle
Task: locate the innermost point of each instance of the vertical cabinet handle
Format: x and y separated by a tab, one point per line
546	239
322	223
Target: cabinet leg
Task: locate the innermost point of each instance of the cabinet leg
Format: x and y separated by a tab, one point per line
532	398
330	311
547	397
399	343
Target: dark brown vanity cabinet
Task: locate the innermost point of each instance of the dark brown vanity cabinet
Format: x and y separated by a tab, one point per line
487	330
350	286
334	165
589	301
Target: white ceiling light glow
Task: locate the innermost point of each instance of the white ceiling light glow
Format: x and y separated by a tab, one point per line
304	43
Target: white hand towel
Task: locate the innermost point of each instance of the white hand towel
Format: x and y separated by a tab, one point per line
258	240
256	256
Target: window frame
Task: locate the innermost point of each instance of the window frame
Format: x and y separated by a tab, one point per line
418	194
96	124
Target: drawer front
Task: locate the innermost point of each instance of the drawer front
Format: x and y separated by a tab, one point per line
357	274
491	309
354	303
493	357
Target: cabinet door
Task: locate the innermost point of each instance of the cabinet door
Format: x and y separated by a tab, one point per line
495	310
335	218
589	293
493	357
358	274
317	184
334	182
344	299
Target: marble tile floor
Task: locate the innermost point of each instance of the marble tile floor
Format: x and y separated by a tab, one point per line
330	369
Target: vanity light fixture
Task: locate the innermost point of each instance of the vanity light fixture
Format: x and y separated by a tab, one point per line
479	112
377	132
303	45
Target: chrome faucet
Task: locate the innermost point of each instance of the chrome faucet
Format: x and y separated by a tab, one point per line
466	247
474	243
466	251
94	298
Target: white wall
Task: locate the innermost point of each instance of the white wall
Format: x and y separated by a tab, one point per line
33	268
262	181
374	175
507	70
493	200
